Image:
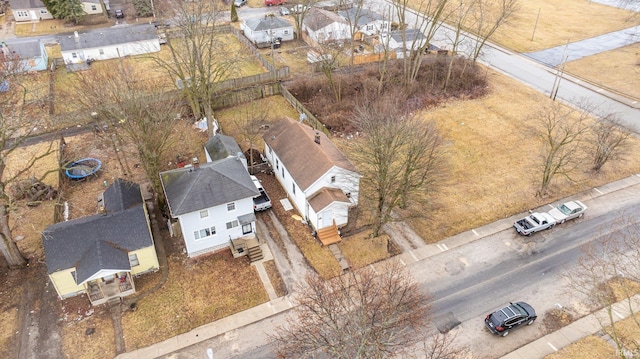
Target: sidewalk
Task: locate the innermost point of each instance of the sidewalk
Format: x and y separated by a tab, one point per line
573	332
559	339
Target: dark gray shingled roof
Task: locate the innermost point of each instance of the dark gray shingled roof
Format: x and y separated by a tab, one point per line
364	16
101	255
25	48
262	23
26	4
121	195
221	146
212	184
411	35
80	243
107	37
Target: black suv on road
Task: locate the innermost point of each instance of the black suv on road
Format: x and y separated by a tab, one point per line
510	317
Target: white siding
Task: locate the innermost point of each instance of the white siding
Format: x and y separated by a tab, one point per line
347	181
111	52
218	217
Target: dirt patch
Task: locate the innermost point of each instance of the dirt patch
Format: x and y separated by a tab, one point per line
556	319
275	278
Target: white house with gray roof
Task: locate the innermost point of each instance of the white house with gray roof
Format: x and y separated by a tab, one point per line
264	29
29	10
35	10
109	43
402	40
365	21
99	255
325	26
212	202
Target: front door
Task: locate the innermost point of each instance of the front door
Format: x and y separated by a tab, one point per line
327	218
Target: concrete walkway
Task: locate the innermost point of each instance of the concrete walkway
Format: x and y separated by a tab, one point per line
262	272
536	349
575	331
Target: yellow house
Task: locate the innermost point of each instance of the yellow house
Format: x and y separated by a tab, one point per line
99	255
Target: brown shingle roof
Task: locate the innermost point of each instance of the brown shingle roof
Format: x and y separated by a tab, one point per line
325	197
305	160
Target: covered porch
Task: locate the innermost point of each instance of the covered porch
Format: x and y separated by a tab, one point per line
112	285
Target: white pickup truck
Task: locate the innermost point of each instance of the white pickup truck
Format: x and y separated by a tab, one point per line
534	222
261	202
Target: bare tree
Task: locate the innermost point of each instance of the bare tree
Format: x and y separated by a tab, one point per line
611	261
488	17
20	109
433	15
561	130
199	58
138	112
299	13
362	314
250	125
463	11
401	155
609	141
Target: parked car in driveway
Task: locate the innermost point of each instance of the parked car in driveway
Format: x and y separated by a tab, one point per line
239	3
567	211
510	317
284	11
119	14
534	222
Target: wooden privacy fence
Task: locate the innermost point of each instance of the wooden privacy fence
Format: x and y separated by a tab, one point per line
308	116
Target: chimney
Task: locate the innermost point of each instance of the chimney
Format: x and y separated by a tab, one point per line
196	163
76	36
317	139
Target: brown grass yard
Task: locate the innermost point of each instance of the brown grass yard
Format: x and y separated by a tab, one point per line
592	347
597	348
618	70
492	156
194	294
558	22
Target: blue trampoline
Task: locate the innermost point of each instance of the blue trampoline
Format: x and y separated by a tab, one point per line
83	168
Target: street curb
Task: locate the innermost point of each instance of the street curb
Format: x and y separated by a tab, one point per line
285	303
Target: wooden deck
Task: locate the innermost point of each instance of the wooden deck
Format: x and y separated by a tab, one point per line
329	235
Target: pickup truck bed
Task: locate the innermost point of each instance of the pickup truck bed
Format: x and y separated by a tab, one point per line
534	222
262	201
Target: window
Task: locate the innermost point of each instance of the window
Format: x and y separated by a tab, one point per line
204	213
333	179
133	259
369	27
43	12
246	228
282	172
74	55
277	164
93	7
232	224
294	188
204	233
285	32
231	206
23	13
348	194
101	51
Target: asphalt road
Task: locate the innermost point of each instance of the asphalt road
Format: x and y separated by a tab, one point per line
472	280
